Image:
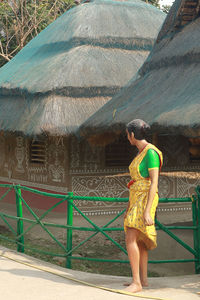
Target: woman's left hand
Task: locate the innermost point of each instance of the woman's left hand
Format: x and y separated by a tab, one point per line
148	219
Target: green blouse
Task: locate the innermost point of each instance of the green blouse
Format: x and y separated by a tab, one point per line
151	160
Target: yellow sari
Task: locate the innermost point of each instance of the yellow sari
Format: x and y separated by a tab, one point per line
138	199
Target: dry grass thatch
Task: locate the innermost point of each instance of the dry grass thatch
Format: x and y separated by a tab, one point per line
166	91
75	65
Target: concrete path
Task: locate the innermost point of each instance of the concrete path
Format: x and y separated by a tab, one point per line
19	281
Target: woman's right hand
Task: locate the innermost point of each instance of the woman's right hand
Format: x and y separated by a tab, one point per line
147	218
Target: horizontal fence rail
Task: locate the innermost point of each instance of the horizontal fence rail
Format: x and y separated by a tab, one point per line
68	248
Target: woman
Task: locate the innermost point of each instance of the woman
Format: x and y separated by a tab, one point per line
143	199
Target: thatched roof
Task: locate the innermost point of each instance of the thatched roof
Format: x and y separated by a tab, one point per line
76	65
166	92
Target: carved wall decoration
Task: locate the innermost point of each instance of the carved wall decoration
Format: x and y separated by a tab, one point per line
165	187
57	172
98	172
88	175
9	166
186	187
57	154
19	154
102	186
99	186
35	177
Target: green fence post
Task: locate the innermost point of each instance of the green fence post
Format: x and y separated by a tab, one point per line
20	226
195	232
198	231
69	230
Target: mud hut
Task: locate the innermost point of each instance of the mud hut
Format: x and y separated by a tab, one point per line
58	80
165	93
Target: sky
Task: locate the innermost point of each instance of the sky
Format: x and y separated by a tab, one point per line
166	2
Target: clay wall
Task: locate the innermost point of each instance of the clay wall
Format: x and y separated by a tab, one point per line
73	165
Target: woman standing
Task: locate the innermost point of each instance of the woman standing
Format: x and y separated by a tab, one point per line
143	199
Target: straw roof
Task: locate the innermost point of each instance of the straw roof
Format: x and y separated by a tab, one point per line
76	65
166	91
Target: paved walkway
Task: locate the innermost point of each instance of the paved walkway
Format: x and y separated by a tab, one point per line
25	278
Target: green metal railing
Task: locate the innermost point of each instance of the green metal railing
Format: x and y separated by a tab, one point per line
69	249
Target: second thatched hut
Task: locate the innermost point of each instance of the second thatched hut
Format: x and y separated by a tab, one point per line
165	93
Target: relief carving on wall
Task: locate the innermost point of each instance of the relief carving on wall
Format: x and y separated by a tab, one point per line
57	154
34	177
102	186
20	154
186	186
99	186
6	162
165	187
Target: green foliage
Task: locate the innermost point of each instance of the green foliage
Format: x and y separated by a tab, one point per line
22	20
153	2
166	8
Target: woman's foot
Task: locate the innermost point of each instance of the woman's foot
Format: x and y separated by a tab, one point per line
144	283
134	288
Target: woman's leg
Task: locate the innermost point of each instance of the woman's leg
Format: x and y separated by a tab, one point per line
143	263
134	258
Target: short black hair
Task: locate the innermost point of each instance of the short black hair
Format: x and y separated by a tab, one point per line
139	127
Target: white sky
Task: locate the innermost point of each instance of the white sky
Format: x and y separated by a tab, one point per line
166	2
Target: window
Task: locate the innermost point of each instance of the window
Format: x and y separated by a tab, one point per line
194	149
37	152
120	153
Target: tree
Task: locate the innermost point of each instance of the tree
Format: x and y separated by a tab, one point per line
153	2
166	8
22	20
